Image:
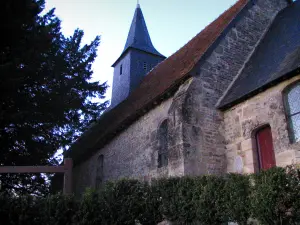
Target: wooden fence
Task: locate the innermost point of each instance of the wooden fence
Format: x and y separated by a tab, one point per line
66	168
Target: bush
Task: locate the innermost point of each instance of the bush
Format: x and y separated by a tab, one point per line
236	199
152	201
275	196
271	197
57	209
5	203
207	199
177	197
91	209
22	210
211	204
129	201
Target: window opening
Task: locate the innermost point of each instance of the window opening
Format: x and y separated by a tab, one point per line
163	144
292	103
99	172
145	66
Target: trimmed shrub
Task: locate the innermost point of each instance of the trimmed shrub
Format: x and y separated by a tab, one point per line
129	201
178	199
57	209
294	181
5	207
207	199
275	196
271	197
211	203
236	198
91	209
22	210
152	201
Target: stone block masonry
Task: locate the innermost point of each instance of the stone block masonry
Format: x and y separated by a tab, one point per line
131	154
197	136
241	122
211	78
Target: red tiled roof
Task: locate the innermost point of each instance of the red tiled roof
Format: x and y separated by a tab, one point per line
159	81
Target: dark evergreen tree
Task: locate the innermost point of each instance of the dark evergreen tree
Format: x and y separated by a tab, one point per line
45	90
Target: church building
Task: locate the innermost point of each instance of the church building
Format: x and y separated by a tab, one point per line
227	101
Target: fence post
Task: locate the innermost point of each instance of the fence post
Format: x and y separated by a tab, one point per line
68	165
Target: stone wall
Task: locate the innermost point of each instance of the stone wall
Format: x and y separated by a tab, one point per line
121	83
133	71
195	127
137	69
133	153
203	140
241	122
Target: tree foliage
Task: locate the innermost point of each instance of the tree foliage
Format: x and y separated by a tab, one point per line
46	93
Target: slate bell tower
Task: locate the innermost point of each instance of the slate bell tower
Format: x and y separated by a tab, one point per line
137	59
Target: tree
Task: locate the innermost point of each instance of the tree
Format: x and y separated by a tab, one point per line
46	91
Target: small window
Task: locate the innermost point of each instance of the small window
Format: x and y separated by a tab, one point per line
99	172
121	69
163	144
292	106
145	66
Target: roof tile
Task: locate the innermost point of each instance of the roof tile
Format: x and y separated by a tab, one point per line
274	59
160	80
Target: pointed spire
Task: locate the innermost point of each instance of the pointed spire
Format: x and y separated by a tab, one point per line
138	36
138	4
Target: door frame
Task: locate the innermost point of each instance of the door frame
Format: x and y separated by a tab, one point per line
258	150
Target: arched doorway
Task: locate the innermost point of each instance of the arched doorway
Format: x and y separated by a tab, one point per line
265	150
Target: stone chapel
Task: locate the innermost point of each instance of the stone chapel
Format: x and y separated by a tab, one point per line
227	101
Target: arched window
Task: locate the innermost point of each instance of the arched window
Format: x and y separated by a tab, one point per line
292	105
163	144
99	171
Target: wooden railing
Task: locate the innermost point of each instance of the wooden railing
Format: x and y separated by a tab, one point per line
66	168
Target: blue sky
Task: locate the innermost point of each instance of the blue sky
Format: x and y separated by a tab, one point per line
171	24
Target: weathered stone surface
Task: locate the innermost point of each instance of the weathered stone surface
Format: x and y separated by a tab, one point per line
212	77
132	154
199	142
266	108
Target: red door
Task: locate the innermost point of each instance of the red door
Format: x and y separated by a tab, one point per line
265	148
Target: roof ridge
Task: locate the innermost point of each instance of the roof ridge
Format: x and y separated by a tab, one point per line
243	67
195	60
220	104
163	78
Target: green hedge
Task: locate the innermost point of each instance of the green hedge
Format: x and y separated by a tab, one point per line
275	198
270	197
